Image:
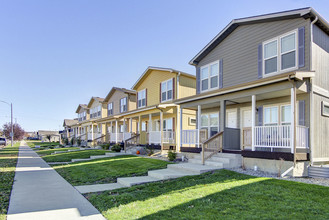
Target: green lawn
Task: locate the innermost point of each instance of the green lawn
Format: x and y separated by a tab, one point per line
219	195
50	151
8	160
67	157
41	144
107	170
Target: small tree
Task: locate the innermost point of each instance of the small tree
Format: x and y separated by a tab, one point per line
72	141
48	136
18	131
79	142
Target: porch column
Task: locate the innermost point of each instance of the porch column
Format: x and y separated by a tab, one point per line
199	124
253	121
222	119
179	130
111	127
124	125
293	120
116	131
161	129
150	123
131	125
139	124
92	132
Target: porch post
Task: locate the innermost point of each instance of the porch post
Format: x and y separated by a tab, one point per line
139	124
161	130
124	126
178	128
116	131
293	119
222	119
199	124
92	132
131	125
253	121
150	123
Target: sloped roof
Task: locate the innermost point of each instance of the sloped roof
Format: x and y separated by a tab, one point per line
296	13
150	68
93	99
84	106
44	132
124	90
70	122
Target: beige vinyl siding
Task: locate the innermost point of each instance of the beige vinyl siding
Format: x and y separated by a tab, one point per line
187	86
239	50
152	84
115	99
321	130
320	62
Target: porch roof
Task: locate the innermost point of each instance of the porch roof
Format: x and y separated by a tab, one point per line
285	77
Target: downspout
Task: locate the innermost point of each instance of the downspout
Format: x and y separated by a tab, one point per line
311	137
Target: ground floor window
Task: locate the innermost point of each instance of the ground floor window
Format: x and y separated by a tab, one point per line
279	114
210	122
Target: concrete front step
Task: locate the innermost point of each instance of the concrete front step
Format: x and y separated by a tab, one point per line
193	168
98	187
209	163
98	156
77	160
165	174
130	181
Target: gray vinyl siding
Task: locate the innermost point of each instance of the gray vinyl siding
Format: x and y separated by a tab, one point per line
320	58
239	50
321	130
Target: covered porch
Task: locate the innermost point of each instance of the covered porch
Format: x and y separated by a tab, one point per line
271	118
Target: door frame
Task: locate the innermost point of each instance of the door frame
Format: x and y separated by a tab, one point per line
241	124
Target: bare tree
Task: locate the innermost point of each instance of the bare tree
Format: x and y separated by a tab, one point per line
18	131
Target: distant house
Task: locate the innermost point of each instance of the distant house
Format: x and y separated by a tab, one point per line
69	125
42	135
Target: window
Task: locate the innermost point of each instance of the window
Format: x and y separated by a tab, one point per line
110	109
271	115
143	126
122	128
191	121
325	109
286	114
91	113
209	76
142	98
99	110
210	122
123	105
167	90
167	124
280	54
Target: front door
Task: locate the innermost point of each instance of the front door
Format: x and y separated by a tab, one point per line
246	128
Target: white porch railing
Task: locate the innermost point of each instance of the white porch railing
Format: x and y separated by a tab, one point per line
98	135
168	137
90	136
279	136
190	137
121	136
154	137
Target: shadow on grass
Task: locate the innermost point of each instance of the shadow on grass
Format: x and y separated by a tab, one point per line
222	194
107	170
67	157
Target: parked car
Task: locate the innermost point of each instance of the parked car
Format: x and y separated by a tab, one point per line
3	141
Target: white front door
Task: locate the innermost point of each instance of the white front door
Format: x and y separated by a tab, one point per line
246	128
246	118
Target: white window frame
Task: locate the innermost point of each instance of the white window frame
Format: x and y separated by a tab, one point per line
279	106
279	54
167	91
165	123
209	77
281	114
110	110
139	98
209	126
123	104
323	105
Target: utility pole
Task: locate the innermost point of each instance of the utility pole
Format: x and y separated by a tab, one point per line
12	126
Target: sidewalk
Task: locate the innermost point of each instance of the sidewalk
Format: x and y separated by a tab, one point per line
39	192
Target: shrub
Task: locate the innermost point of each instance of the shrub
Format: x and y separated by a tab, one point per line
105	146
79	142
116	148
66	141
172	155
72	141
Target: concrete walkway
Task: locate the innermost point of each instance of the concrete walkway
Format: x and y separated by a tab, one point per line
39	192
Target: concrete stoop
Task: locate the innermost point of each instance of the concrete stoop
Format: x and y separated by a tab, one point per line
173	171
223	160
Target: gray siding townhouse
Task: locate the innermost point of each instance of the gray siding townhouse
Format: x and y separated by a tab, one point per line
263	92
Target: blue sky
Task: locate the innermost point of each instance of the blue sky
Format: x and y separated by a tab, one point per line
57	54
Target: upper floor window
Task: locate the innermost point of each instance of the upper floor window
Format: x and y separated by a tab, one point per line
110	109
123	105
84	115
209	76
280	54
167	90
142	98
91	113
99	110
